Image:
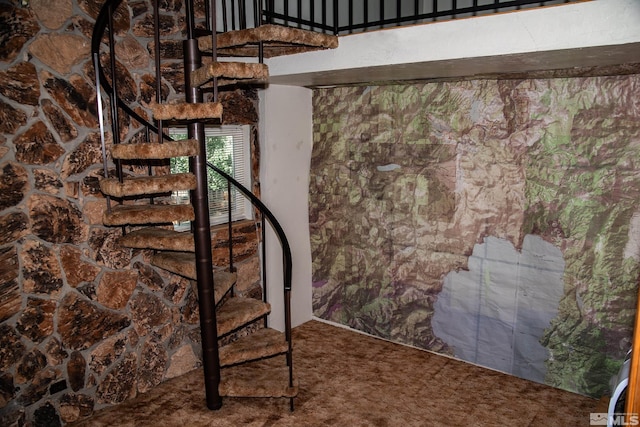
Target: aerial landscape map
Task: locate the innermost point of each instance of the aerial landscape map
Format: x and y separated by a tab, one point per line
496	221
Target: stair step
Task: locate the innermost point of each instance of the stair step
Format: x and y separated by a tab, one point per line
158	239
142	185
257	379
237	312
147	214
185	111
260	344
153	150
235	71
184	264
278	40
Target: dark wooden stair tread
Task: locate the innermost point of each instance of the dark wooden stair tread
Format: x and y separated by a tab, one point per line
277	40
232	71
187	111
262	343
184	264
257	379
158	239
142	185
237	312
147	214
153	150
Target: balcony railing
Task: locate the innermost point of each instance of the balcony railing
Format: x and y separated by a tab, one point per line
342	17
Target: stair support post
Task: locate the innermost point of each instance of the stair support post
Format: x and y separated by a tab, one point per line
202	238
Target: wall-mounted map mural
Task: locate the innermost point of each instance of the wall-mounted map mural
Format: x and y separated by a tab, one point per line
493	220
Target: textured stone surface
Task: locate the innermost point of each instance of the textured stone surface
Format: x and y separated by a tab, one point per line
148	89
38	387
29	366
189	309
93	211
12	349
145	26
62	125
52	13
46	415
106	250
23	25
82	324
153	360
14	183
121	16
37	146
56	220
176	289
41	270
10	296
182	361
126	86
115	288
75	96
74	407
149	276
55	352
76	370
132	54
10	118
47	180
120	383
20	83
106	353
7	389
77	270
13	226
36	320
86	154
240	107
148	312
60	51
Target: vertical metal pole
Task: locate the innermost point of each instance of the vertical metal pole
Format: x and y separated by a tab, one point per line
230	227
202	237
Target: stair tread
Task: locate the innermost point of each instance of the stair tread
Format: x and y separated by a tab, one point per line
147	214
277	40
235	71
154	150
159	239
141	185
187	111
184	264
262	343
257	379
237	312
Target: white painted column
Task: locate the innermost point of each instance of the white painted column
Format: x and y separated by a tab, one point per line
285	156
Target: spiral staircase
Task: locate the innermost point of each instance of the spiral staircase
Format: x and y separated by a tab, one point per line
242	367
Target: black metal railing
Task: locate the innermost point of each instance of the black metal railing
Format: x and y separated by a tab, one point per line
341	17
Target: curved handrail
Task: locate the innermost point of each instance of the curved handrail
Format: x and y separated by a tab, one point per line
102	21
99	28
286	249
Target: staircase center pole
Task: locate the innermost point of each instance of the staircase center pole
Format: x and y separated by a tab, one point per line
202	237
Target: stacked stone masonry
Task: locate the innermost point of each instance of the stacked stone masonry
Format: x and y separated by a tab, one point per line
85	323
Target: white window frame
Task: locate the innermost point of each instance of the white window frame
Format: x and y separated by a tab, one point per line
242	208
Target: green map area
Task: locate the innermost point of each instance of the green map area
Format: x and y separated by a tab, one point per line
407	179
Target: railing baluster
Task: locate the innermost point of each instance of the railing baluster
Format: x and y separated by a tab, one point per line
230	227
103	143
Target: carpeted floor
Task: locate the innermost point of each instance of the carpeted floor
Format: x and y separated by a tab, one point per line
348	379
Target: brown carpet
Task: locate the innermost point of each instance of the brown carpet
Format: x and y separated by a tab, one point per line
348	379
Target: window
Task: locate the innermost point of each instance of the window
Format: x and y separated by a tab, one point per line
228	149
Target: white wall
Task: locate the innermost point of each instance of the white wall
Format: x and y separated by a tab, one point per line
285	156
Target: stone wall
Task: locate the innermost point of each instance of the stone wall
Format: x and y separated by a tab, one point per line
422	198
84	323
